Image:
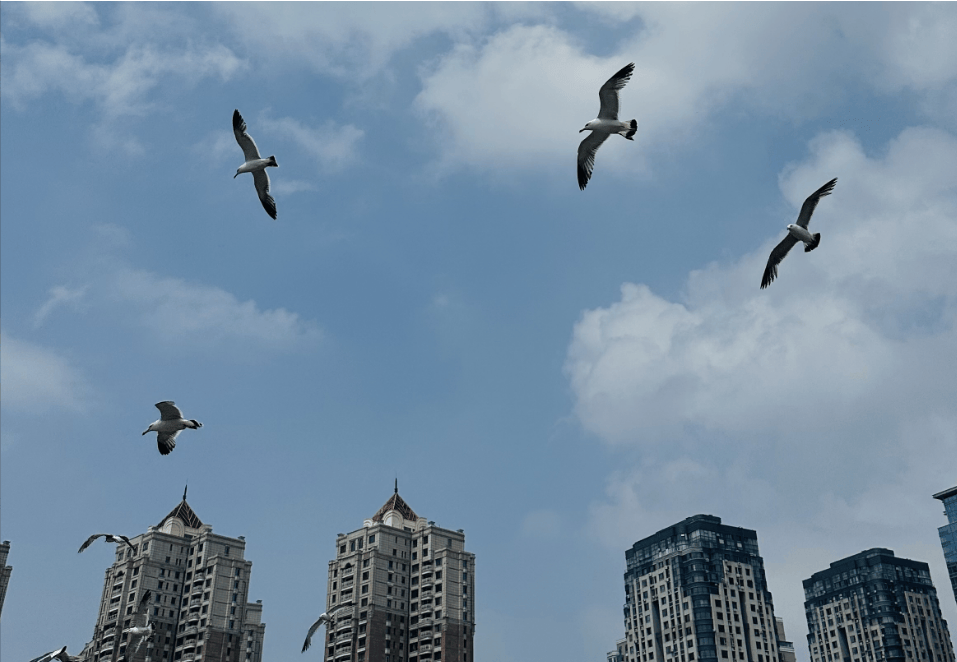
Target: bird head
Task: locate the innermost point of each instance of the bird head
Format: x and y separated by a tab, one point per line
588	126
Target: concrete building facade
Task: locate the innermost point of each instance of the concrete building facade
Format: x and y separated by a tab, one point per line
412	587
948	534
874	606
696	592
5	571
199	603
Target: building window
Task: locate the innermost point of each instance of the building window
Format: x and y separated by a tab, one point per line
372	539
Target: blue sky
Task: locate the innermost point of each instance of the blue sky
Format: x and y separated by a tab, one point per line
558	372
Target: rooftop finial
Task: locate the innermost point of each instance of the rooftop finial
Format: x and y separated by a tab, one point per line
396	484
184	491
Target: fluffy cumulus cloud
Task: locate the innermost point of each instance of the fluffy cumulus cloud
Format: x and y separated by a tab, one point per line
113	57
37	379
345	39
817	411
518	97
178	312
333	146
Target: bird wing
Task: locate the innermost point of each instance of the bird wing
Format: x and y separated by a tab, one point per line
312	631
261	179
811	203
127	541
166	441
608	94
142	609
771	271
248	145
53	655
169	411
586	156
89	541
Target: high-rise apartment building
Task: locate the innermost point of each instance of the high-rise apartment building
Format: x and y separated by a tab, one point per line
875	606
696	592
786	651
5	571
198	606
948	534
412	586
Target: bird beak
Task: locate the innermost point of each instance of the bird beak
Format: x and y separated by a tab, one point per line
147	430
236	175
583	129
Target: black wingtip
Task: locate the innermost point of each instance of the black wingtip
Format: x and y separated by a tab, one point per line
238	123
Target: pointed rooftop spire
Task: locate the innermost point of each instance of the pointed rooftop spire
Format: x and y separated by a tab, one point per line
396	484
184	491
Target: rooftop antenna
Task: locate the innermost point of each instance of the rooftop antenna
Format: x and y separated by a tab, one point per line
184	491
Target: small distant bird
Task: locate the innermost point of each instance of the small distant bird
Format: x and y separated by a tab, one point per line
254	164
108	537
606	124
797	232
329	618
141	626
56	655
169	425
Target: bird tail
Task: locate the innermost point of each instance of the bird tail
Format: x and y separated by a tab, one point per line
814	244
631	132
195	424
272	162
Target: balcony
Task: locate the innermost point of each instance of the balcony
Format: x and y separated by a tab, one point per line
343	637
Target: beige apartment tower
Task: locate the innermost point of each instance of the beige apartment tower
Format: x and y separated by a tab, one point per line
198	606
412	587
696	592
875	607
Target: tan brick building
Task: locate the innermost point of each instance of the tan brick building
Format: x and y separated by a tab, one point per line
199	609
412	587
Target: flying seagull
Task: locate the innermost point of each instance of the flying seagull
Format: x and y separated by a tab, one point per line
254	164
797	232
606	124
56	655
168	426
328	618
108	537
141	626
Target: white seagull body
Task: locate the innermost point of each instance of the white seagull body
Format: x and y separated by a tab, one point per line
169	425
329	618
141	626
108	537
55	655
797	232
606	124
254	164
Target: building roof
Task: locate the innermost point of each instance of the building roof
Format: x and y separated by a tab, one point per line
185	513
396	503
946	494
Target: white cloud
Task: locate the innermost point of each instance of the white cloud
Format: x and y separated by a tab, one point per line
120	87
332	145
345	39
36	379
518	98
178	312
59	296
818	411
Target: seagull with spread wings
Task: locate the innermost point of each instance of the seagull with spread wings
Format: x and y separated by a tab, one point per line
108	537
60	655
169	425
606	124
329	618
797	232
141	626
254	163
